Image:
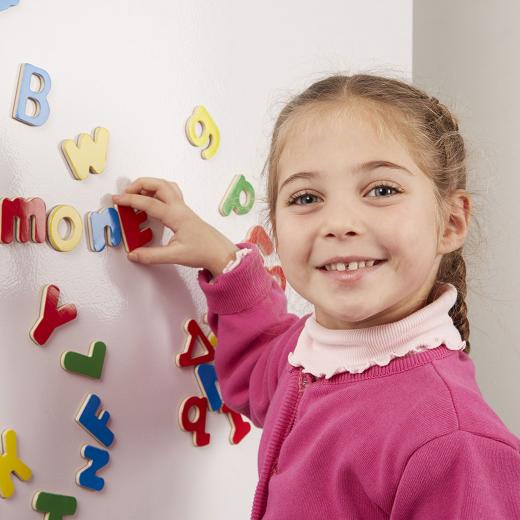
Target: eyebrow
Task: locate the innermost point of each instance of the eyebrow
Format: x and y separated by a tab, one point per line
363	167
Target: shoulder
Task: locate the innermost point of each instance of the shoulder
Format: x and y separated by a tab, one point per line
462	444
471	411
476	476
438	398
441	410
409	409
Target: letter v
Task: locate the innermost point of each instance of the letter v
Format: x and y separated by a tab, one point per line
194	332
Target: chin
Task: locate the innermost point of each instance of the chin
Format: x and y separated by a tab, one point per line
353	318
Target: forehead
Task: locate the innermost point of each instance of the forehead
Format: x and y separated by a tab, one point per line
351	133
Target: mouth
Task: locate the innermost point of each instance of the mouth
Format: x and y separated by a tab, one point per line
352	276
377	262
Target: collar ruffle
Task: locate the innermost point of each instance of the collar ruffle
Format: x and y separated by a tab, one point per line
326	352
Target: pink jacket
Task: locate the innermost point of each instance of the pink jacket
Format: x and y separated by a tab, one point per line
412	440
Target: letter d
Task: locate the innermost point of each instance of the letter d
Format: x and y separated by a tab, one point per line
24	93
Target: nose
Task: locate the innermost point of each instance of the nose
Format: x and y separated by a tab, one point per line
341	220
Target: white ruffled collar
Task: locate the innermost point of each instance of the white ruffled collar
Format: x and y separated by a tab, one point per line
326	352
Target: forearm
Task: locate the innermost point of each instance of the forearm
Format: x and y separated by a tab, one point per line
247	310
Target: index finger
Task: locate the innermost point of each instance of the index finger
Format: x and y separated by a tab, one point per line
160	188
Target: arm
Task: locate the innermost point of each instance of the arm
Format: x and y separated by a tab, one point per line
247	311
460	476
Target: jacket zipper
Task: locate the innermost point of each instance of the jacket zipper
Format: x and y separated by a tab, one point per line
260	498
302	383
303	380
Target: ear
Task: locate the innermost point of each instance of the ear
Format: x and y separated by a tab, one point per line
457	223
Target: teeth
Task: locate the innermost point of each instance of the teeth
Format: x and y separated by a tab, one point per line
352	266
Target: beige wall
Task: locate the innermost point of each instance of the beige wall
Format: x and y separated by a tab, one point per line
466	54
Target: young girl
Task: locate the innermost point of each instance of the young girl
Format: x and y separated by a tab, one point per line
369	405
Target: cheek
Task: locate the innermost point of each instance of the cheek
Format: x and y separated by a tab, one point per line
293	249
412	240
287	230
288	243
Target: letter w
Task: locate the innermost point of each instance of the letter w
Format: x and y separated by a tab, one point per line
89	155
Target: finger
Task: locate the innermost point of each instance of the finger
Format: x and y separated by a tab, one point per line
153	255
147	193
153	207
176	188
159	187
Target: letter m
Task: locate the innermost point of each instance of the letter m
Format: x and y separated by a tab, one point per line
29	216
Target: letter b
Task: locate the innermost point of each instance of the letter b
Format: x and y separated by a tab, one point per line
24	93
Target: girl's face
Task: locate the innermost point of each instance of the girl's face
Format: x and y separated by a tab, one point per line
339	213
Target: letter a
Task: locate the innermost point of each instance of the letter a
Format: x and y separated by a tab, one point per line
197	425
210	137
187	358
39	97
231	200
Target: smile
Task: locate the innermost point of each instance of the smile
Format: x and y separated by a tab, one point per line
350	275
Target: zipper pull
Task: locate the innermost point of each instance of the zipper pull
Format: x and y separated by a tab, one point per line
306	378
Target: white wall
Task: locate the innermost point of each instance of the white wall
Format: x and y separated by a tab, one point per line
139	69
465	53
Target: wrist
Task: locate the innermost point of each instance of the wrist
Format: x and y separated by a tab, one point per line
222	259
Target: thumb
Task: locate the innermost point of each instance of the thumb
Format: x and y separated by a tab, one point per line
152	255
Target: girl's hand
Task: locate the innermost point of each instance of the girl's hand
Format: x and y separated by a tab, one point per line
195	242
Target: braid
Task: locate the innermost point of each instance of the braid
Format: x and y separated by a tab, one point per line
453	270
443	111
453	266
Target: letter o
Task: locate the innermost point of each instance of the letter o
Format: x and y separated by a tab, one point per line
58	214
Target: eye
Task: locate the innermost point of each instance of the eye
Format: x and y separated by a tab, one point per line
305	198
300	196
379	186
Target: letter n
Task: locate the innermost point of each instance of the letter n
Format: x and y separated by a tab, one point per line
104	228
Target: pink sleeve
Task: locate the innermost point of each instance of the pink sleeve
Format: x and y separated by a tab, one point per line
233	263
247	311
460	476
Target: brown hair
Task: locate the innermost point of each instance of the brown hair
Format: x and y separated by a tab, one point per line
427	126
